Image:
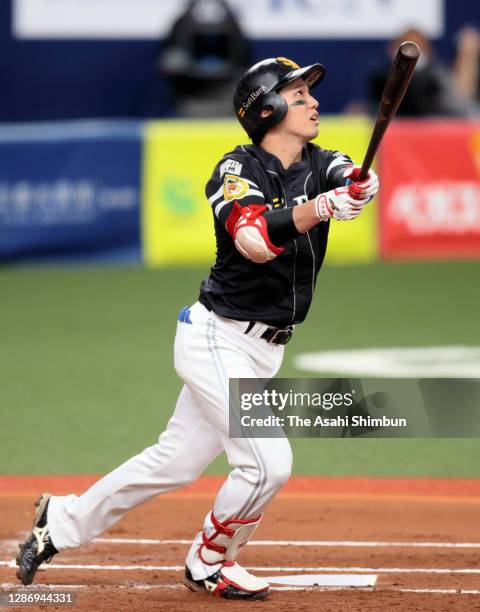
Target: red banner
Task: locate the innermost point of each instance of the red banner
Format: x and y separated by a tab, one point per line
430	190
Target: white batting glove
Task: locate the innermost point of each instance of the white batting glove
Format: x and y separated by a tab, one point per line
363	189
339	204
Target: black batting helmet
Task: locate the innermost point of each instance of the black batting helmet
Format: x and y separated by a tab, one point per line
258	87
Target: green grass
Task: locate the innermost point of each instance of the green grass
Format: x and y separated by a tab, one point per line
86	365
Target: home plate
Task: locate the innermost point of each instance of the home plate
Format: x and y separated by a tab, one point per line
325	580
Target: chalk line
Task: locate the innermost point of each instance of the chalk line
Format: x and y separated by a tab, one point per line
7	586
179	568
325	543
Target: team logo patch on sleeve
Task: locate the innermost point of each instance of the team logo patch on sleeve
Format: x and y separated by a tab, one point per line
234	187
231	166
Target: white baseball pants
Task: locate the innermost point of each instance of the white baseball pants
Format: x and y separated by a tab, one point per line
208	351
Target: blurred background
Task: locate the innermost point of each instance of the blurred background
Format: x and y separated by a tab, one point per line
112	116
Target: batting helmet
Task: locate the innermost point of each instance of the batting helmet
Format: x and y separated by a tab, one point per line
258	87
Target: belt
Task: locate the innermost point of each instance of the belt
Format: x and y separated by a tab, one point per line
275	335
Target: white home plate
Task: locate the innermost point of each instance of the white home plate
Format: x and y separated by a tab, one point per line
325	580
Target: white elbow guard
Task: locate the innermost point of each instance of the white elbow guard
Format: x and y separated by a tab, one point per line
251	237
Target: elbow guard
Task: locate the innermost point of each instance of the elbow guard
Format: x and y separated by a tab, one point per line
250	235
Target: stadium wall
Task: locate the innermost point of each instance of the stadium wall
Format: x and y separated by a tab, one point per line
133	191
75	77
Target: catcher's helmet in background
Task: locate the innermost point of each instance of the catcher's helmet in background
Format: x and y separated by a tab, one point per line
258	87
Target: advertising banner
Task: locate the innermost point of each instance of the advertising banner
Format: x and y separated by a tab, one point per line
179	157
430	197
143	19
70	191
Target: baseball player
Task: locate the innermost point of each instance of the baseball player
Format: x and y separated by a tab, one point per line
272	202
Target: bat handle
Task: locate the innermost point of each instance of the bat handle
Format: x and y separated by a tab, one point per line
362	175
367	162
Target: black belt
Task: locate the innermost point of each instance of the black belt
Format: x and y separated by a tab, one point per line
275	335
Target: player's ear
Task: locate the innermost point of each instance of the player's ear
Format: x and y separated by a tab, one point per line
266	112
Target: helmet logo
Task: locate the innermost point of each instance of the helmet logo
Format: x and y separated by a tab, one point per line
288	62
251	98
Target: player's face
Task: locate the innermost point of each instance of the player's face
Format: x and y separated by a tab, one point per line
302	116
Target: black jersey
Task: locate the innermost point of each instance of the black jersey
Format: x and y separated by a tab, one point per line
278	293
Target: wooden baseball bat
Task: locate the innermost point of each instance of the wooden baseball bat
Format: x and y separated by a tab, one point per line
396	85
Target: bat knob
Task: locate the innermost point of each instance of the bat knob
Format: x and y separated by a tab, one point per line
410	50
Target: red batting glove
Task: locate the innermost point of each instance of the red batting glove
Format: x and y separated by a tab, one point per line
360	190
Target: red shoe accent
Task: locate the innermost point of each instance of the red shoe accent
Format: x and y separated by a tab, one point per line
221	586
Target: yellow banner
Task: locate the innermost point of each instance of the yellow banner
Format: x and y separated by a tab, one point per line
179	157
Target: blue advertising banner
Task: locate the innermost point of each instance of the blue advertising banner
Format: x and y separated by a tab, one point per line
70	191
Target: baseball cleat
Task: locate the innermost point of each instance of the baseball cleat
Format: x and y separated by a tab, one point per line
38	547
231	581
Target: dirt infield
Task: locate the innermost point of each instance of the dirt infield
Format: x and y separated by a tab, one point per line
419	537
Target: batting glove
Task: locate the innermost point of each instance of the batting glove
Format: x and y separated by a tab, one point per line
339	204
364	189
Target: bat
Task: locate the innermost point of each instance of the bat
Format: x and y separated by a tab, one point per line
398	80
